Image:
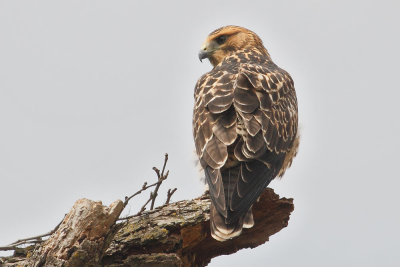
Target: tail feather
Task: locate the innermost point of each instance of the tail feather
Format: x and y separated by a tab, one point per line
221	231
233	190
248	220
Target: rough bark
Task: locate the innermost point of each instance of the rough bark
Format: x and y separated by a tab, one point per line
177	234
80	239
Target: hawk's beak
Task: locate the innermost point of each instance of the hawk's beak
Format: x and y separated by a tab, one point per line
204	52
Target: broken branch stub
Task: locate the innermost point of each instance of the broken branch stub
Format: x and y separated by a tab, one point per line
80	239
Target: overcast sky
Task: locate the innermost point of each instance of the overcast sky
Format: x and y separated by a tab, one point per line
93	93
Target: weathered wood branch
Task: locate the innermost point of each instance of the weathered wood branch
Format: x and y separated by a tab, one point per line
176	234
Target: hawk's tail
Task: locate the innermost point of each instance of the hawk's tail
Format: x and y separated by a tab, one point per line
222	231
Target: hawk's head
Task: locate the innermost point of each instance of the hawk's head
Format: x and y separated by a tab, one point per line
226	41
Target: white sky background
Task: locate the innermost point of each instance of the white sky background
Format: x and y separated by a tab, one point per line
93	93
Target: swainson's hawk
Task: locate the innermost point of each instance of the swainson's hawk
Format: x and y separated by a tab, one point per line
244	125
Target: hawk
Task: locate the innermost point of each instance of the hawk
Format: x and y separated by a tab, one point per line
244	125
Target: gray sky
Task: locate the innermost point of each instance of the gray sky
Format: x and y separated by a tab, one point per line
93	93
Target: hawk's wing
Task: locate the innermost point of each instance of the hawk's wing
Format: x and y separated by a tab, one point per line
245	121
275	110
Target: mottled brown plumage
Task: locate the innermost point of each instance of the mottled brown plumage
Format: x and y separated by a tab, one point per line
244	125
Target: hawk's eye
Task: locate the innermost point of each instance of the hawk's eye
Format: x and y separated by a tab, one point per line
221	39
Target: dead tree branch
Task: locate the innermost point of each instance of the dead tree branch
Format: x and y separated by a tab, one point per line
177	234
182	229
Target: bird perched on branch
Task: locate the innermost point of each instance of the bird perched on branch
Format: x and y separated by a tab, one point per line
244	125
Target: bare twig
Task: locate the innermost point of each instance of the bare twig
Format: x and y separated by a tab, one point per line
8	248
31	240
143	208
145	204
144	187
165	163
161	177
169	195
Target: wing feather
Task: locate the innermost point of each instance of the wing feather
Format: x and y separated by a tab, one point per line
226	135
217	153
277	110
